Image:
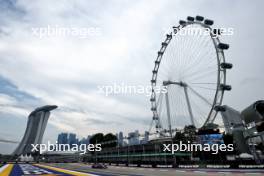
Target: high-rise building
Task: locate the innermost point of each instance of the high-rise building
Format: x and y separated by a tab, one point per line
88	139
36	125
146	138
72	139
83	141
63	138
133	138
120	138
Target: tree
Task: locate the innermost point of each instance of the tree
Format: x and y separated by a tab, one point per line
110	140
190	133
179	136
210	128
97	138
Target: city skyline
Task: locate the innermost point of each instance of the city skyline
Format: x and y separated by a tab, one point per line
67	71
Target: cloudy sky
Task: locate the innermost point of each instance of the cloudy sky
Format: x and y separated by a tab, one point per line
67	70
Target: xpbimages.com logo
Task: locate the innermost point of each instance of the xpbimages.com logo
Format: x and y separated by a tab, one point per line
82	148
189	147
62	31
124	89
198	31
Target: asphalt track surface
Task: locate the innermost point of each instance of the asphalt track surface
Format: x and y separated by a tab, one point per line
37	169
80	169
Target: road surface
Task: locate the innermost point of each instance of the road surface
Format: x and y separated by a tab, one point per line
37	169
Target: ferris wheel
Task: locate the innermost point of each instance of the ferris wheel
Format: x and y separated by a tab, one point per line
189	77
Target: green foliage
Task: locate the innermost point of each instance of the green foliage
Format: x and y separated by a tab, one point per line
108	140
190	133
97	138
179	136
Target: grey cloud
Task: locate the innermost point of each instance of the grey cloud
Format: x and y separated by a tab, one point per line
251	80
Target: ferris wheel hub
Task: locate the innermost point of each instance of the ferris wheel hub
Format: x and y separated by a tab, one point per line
180	83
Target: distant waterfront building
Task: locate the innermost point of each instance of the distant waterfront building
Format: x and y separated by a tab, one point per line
63	138
133	138
72	139
36	125
120	138
83	141
146	138
88	139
